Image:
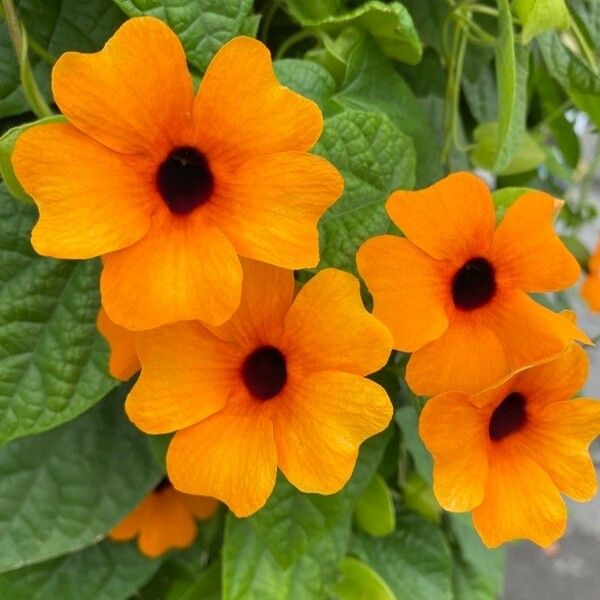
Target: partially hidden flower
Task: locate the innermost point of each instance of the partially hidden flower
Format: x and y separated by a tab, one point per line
170	188
280	384
164	520
123	361
454	291
507	453
590	290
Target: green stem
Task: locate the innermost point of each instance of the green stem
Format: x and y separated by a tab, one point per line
557	112
41	52
295	39
269	14
583	44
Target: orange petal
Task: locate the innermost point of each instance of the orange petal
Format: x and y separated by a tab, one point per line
168	523
91	200
328	328
468	358
590	290
453	219
320	423
241	110
456	433
230	456
187	375
123	361
558	436
270	207
135	95
202	507
267	294
529	332
182	269
521	501
527	252
554	380
131	524
409	290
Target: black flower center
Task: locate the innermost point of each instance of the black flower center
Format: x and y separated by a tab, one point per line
264	372
508	417
184	180
474	284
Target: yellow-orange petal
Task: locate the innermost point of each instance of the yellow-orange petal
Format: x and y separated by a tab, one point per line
135	95
230	456
182	269
554	380
467	357
453	219
557	437
328	328
270	207
123	361
202	507
521	502
187	375
590	290
91	200
456	433
527	253
241	111
529	332
131	524
409	290
168	523
267	293
320	423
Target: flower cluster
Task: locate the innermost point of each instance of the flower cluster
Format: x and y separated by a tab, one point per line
202	205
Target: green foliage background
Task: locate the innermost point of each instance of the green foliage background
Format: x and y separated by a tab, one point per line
410	91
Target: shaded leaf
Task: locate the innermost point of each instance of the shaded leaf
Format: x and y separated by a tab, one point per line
537	16
374	511
360	582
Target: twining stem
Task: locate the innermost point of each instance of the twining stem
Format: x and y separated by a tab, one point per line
18	37
268	19
583	44
296	38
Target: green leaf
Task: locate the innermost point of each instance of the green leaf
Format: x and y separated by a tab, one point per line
290	549
374	511
418	496
360	582
528	155
203	26
512	64
56	26
313	10
478	571
537	16
373	85
429	17
206	586
415	561
53	361
64	489
7	144
504	197
408	421
479	85
306	78
105	571
375	159
390	25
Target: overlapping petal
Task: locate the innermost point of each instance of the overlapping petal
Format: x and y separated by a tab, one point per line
124	361
135	95
328	328
319	424
91	199
409	288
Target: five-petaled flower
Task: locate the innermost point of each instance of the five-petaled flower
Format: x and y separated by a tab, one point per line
170	189
454	291
165	519
280	384
590	290
506	453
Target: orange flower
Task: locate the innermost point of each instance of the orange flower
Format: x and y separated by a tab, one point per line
454	291
165	519
591	286
170	188
123	362
508	452
281	384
